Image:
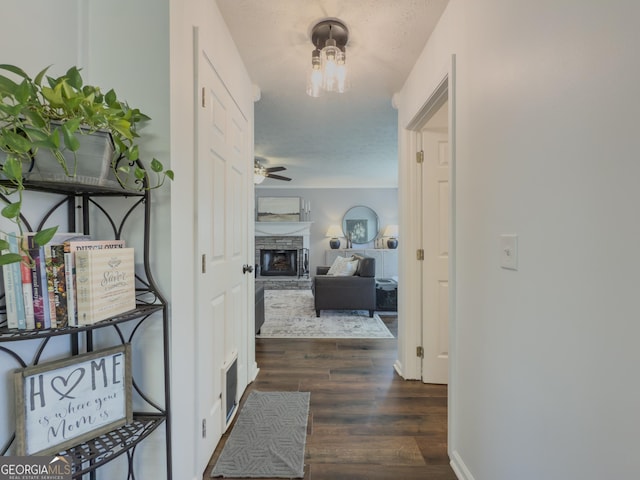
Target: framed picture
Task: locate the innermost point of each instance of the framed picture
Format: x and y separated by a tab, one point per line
357	230
278	209
63	403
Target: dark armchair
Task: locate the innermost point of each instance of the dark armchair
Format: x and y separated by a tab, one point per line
356	292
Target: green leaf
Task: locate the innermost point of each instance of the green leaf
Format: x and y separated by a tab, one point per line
7	258
156	165
67	90
54	97
44	236
73	124
133	153
123	127
35	134
14	69
23	92
12	169
11	111
74	78
140	173
12	210
16	142
4	245
70	139
7	85
54	138
110	98
40	75
169	173
34	117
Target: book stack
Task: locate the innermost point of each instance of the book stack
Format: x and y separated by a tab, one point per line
71	281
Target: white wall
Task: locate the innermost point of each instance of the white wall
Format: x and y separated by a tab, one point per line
545	358
328	206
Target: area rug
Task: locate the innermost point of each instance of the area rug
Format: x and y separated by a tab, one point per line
291	314
268	438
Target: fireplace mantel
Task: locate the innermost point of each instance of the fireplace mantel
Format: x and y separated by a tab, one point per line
283	229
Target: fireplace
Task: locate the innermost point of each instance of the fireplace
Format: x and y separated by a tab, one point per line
280	270
274	262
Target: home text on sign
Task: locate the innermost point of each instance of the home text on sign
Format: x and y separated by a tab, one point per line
62	403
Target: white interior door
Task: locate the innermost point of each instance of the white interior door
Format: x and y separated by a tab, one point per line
435	234
222	248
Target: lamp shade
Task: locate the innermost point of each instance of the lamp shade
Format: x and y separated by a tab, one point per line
259	173
391	231
334	231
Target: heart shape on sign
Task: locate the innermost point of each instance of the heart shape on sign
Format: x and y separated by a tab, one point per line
64	386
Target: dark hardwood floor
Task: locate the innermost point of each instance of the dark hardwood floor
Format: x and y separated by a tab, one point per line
365	422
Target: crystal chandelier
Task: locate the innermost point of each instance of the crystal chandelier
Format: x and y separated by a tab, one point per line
328	59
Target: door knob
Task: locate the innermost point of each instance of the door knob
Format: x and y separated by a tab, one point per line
247	268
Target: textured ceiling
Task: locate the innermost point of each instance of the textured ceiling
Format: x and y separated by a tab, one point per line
337	140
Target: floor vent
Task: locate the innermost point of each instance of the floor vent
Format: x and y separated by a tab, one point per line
230	390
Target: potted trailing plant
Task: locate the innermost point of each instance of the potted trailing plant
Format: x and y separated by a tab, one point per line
47	119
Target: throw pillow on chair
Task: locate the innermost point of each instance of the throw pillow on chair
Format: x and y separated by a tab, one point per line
343	267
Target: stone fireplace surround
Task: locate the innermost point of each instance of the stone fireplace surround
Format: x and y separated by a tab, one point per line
284	236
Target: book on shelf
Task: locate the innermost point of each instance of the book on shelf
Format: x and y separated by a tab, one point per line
58	277
51	297
12	279
44	298
105	283
42	317
70	248
56	280
27	293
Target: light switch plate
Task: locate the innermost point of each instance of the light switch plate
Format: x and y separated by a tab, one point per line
509	251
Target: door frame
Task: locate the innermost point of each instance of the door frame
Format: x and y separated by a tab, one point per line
408	364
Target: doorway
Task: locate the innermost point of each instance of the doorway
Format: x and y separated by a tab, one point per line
426	303
435	222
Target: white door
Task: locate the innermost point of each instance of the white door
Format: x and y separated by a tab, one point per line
435	234
223	216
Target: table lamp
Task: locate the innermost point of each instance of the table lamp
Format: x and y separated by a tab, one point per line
391	232
334	232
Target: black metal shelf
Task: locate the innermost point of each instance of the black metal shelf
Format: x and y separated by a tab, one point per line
98	451
69	188
90	455
13	335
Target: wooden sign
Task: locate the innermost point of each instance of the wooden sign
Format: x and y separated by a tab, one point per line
62	403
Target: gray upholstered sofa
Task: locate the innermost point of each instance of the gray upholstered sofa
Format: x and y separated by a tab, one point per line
356	292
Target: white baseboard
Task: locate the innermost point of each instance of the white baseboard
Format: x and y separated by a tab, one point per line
459	468
397	366
256	371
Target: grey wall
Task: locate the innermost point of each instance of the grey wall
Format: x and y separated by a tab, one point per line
328	205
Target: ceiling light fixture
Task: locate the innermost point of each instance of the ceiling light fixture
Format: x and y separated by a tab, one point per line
328	59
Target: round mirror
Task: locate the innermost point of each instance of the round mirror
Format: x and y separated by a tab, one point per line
360	224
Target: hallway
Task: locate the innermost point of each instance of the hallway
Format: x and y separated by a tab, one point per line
365	423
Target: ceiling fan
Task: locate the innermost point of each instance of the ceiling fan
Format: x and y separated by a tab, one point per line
260	172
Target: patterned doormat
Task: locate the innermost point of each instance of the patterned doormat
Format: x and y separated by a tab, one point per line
291	314
268	438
